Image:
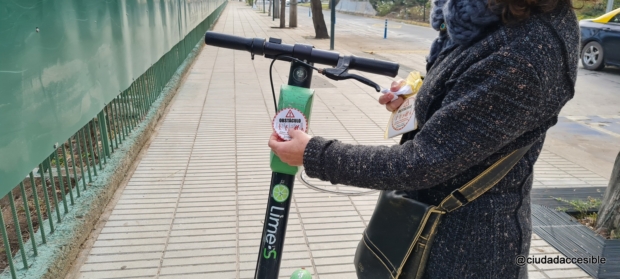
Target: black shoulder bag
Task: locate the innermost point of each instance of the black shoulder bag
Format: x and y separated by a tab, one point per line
397	241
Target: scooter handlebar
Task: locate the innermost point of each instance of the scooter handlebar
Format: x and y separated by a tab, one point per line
254	46
375	66
274	47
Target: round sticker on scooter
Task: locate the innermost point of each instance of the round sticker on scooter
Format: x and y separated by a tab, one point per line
289	118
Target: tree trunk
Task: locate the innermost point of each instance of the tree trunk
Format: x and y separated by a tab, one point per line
320	28
276	8
608	221
283	13
292	13
270	2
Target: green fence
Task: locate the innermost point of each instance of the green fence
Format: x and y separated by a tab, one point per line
68	87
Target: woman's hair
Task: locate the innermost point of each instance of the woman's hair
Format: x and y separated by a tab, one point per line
513	11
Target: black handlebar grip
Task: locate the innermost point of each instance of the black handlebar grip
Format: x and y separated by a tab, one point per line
233	42
374	66
259	47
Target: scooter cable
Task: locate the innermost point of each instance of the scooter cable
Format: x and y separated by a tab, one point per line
302	177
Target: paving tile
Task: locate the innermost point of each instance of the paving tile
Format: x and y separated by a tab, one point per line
197	260
536	275
344	275
126	273
204	269
334	268
543	250
218	275
113	250
136	229
113	266
132	235
538	243
129	242
566	273
545	267
105	258
201	252
317	246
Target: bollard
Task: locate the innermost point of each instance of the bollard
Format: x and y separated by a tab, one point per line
385	30
309	10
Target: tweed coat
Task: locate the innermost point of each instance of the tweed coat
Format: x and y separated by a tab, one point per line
478	103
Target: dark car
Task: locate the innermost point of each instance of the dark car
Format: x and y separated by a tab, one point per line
600	41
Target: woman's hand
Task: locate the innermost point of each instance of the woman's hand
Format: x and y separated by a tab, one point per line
292	151
386	99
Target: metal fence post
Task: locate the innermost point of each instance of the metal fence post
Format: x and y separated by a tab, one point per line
333	31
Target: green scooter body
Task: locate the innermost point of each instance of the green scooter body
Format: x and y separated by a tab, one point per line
301	99
280	191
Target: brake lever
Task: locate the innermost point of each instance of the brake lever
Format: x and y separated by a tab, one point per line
339	74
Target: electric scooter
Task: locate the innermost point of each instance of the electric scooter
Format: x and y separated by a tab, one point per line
296	95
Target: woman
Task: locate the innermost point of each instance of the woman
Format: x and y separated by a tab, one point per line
497	77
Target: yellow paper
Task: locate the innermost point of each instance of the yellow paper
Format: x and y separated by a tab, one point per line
414	80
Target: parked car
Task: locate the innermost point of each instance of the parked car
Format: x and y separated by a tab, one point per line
600	41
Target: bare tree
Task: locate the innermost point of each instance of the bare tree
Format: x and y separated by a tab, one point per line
282	13
608	221
292	13
276	8
320	28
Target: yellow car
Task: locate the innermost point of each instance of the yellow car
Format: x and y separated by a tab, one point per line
600	41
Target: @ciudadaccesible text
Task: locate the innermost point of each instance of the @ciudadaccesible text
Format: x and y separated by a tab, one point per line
522	260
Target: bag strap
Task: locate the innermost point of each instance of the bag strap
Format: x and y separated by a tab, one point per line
483	182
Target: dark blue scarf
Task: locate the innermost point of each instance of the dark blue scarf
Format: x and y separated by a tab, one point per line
459	22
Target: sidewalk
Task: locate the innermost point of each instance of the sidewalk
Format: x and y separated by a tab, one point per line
194	206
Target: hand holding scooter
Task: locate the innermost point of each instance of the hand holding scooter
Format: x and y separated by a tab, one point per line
292	151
